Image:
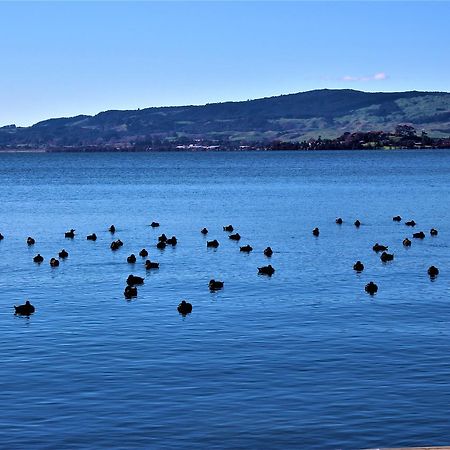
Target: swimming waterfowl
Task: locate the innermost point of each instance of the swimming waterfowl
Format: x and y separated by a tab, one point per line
54	262
214	243
246	248
115	245
172	241
371	288
419	235
130	292
38	258
162	238
1	237
268	252
184	308
131	259
204	231
133	279
397	219
339	221
358	266
91	237
161	245
379	248
112	229
385	257
433	271
266	270
433	232
357	223
24	310
151	265
228	228
63	254
410	223
70	234
143	253
235	237
154	224
30	241
406	242
316	232
215	285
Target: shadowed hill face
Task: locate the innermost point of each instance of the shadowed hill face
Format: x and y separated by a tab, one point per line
288	117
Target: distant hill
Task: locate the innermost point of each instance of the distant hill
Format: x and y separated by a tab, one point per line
292	117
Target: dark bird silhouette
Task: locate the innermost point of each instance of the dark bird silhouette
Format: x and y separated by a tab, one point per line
433	271
24	310
433	232
130	292
131	259
419	235
133	279
161	245
246	248
70	234
406	242
112	229
63	254
162	238
228	228
184	308
143	253
115	245
172	241
266	270
268	252
316	232
385	257
410	223
235	237
1	237
54	262
30	241
151	265
91	237
379	248
215	285
371	288
154	224
339	221
358	266
204	231
357	223
38	258
213	244
397	219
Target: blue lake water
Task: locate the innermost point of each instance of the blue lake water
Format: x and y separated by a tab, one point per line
304	359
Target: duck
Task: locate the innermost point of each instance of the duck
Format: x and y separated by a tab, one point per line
246	248
410	223
358	266
419	235
406	242
235	237
228	228
54	262
379	248
112	229
268	252
151	265
172	241
30	241
213	244
143	253
38	258
130	292
397	219
266	270
131	259
385	257
91	237
24	310
204	231
70	234
154	224
316	232
1	237
371	288
161	245
357	223
133	279
115	245
339	221
63	254
184	308
433	271
433	232
215	285
162	238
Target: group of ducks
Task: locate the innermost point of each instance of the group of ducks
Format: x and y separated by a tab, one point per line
371	288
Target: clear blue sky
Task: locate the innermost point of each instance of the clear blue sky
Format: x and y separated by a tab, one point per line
62	59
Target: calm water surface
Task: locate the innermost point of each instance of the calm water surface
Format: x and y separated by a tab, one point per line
304	359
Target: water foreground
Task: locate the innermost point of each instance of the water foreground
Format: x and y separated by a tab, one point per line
305	357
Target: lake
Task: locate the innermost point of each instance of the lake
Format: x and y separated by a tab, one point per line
302	359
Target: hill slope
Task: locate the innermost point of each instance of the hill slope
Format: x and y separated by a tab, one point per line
287	117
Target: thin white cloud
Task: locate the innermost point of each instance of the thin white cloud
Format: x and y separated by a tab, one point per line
379	76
